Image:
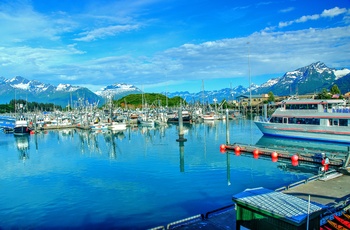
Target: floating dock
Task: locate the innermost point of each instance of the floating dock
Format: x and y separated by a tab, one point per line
337	159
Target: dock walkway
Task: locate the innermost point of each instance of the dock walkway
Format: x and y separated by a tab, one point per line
331	191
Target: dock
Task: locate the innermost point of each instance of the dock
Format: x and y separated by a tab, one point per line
334	192
337	159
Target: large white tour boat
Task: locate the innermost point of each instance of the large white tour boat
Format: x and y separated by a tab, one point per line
325	120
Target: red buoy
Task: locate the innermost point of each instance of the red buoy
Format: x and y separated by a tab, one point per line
274	155
295	158
237	149
222	147
274	159
32	132
256	152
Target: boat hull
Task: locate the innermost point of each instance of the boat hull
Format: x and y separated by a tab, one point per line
21	130
304	132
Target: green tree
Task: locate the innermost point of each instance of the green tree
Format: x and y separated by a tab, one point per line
271	97
335	90
324	94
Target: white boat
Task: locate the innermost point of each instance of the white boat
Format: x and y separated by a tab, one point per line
117	126
324	120
99	126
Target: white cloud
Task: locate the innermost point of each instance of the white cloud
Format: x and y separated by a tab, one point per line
333	12
326	13
105	32
289	9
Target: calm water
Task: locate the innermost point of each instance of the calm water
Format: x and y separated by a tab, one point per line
137	179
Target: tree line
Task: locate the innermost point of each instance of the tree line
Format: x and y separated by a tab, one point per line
28	106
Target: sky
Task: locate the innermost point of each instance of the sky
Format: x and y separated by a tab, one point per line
170	45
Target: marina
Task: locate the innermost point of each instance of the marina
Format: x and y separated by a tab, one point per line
122	173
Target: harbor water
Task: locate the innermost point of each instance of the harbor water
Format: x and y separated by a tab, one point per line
135	179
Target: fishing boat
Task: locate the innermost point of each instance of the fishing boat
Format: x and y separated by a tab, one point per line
324	120
336	226
342	221
21	126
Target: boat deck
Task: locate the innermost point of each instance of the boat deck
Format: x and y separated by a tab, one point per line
332	190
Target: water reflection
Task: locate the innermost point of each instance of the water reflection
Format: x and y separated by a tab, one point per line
22	143
182	156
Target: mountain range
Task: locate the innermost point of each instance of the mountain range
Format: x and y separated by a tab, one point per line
309	79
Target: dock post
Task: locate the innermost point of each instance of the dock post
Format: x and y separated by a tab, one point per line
181	131
346	162
227	129
265	111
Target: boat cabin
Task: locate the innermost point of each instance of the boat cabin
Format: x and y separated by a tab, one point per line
313	112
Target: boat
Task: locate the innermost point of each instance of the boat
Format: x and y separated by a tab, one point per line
174	118
323	120
117	126
343	222
21	126
99	126
336	226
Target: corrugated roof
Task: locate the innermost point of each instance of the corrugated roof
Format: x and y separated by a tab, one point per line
286	206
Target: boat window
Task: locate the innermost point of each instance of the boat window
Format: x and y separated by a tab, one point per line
301	106
276	120
285	120
343	122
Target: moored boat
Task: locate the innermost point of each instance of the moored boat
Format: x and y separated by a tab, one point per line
21	126
117	126
325	120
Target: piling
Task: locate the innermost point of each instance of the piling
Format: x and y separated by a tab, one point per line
227	129
181	131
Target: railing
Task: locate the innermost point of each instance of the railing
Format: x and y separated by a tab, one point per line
261	119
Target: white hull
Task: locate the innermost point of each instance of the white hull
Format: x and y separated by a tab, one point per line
310	132
117	126
323	120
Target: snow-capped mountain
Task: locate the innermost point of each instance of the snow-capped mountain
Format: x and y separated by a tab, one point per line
309	79
118	91
35	91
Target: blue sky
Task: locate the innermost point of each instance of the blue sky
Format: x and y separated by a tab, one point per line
171	45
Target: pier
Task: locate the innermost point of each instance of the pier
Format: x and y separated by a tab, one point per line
329	189
332	192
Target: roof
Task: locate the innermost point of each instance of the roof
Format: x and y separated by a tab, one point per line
289	208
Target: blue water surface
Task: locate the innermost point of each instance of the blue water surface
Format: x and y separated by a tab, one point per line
136	179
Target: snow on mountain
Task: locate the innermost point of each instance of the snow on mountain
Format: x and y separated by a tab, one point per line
341	73
117	89
67	88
